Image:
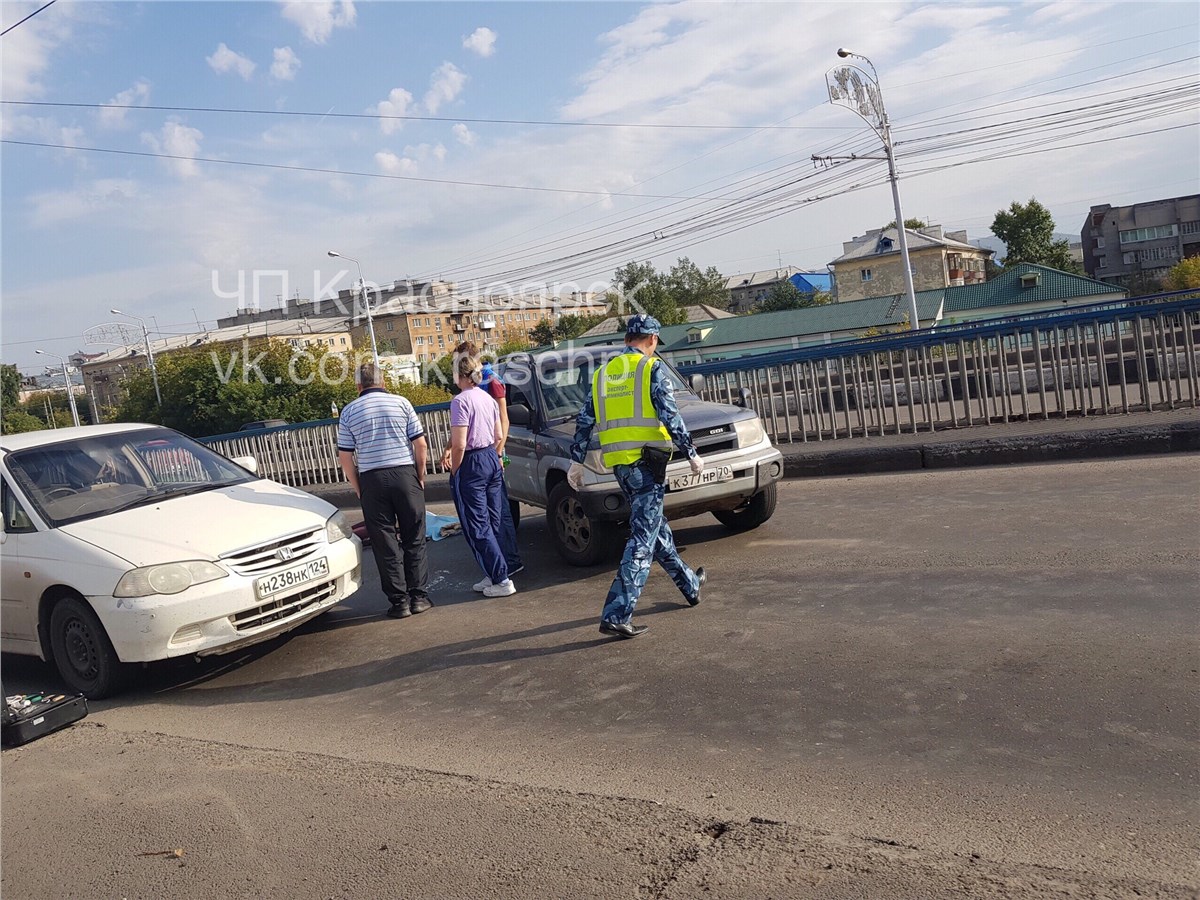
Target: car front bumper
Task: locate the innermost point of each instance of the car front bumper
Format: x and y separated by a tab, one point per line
753	470
224	615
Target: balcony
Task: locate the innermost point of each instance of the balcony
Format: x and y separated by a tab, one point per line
487	324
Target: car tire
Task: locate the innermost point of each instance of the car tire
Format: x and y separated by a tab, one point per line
82	651
756	510
514	507
579	540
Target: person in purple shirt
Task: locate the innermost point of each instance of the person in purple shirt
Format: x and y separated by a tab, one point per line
476	476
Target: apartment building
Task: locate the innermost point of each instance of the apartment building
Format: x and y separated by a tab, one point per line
1130	244
870	265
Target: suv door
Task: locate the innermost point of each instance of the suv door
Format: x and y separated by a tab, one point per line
522	472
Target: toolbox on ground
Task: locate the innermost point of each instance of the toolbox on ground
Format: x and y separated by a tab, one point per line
27	717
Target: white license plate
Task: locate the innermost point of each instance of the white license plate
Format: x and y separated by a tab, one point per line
290	578
708	476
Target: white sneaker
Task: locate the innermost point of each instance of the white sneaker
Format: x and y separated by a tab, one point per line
504	589
480	586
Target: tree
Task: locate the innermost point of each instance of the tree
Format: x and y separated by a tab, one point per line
691	287
1184	275
909	224
785	295
641	288
10	387
1027	231
542	334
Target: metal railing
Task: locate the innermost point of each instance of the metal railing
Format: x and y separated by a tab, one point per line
1106	359
1102	360
308	454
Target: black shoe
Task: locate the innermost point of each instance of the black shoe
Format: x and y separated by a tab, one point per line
400	610
420	605
622	630
702	577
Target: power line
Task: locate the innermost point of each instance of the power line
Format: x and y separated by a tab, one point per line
27	18
333	115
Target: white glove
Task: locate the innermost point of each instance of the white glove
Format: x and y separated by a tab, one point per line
575	475
697	465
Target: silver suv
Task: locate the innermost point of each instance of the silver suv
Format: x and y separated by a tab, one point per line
545	393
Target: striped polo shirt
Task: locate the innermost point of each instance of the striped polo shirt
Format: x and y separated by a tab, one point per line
380	427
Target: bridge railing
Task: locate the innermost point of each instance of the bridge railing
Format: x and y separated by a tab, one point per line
1102	360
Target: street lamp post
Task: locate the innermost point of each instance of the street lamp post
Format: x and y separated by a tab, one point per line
149	352
362	293
850	86
67	380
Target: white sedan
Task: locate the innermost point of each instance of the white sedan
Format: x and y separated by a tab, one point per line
133	543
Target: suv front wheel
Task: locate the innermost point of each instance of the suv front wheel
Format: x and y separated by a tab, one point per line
579	540
756	510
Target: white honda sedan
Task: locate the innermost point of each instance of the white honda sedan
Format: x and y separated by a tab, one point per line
132	543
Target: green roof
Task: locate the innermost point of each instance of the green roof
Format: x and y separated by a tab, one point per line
877	312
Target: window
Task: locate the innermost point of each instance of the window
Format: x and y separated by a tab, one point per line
420	341
16	520
390	325
1100	242
441	341
864	274
343	342
1103	262
438	324
1134	235
1189	227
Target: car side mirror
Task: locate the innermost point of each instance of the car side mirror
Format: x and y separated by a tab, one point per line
246	462
520	414
743	398
697	383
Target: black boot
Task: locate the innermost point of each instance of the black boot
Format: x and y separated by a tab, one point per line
400	610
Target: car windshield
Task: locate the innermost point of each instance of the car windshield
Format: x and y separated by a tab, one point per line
566	383
93	476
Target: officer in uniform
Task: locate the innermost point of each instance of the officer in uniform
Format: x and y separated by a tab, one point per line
632	404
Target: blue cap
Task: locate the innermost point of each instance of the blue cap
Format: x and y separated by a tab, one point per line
643	324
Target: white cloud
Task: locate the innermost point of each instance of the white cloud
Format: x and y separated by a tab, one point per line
29	50
445	85
285	64
391	164
114	117
318	19
102	196
177	140
396	104
225	60
481	41
464	135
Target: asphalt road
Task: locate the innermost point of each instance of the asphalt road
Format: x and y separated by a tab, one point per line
972	682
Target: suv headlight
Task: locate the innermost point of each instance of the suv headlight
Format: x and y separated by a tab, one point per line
749	431
169	578
337	528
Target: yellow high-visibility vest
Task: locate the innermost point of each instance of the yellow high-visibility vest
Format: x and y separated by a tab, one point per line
625	413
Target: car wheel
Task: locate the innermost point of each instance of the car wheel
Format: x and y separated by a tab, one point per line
579	540
756	510
82	651
514	507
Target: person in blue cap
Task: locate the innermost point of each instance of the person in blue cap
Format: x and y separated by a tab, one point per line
632	405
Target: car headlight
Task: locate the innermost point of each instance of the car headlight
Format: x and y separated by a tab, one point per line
169	578
749	431
337	528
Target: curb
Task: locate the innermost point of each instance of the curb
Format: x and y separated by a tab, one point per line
1141	440
1138	440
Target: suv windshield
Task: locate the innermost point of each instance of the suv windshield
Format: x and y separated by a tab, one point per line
566	383
94	476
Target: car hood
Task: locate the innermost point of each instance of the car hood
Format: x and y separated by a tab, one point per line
697	415
204	526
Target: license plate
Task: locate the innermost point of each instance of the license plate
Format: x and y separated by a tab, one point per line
290	578
708	476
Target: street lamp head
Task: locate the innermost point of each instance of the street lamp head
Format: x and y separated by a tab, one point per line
39	351
843	52
116	312
334	253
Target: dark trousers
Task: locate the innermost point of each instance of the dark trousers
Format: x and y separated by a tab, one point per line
508	530
479	497
394	504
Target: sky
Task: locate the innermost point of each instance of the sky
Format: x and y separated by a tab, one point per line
518	146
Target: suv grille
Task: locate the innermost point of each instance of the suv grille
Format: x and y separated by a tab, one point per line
280	608
267	557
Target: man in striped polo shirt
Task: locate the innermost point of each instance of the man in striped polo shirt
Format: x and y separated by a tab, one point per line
384	432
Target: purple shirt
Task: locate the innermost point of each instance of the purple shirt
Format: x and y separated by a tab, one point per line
479	412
